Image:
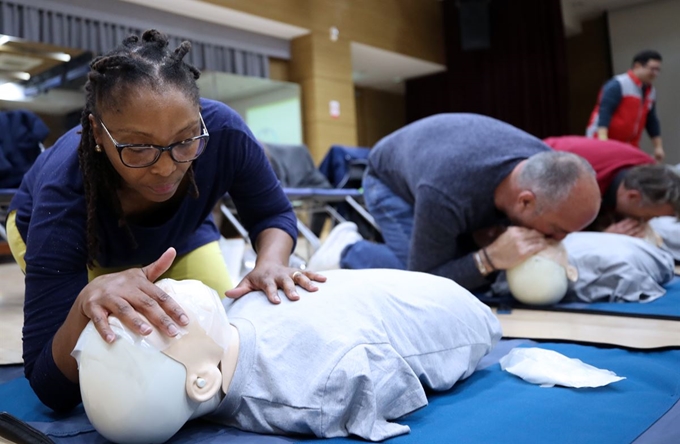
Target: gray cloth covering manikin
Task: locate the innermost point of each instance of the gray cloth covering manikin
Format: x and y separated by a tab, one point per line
355	356
617	268
668	227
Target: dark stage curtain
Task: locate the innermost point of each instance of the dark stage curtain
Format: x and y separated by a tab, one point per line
519	74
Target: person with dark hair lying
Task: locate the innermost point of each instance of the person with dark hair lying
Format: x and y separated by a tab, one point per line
444	190
133	185
634	188
626	105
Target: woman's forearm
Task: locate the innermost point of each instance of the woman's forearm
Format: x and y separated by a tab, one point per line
65	340
274	245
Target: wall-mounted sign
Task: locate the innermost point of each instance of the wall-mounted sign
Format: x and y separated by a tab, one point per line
334	109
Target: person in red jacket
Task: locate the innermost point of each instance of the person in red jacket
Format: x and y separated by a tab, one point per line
626	105
634	188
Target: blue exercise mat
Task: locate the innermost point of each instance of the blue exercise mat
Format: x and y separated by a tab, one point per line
9	372
490	406
18	399
493	406
666	307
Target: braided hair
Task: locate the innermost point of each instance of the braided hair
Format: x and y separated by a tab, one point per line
146	63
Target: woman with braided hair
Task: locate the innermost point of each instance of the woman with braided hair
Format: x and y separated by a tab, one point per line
127	198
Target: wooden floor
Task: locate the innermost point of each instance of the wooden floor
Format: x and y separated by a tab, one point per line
11	312
616	330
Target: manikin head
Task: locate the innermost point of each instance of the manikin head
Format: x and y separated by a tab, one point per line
649	191
555	193
543	279
143	389
647	66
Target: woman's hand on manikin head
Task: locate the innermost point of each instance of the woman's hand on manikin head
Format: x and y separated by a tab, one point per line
132	297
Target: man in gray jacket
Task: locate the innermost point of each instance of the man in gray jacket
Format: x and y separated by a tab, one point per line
463	196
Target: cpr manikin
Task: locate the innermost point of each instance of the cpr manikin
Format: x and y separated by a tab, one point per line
651	236
143	389
347	359
543	279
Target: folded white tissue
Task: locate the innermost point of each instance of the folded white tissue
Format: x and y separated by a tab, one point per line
549	368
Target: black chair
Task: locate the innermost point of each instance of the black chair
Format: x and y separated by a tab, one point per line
355	173
345	167
295	169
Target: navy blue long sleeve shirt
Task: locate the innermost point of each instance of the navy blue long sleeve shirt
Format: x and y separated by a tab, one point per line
51	218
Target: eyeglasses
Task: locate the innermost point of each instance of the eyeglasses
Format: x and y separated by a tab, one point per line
139	155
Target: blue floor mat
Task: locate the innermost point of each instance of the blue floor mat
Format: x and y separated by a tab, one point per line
666	307
491	406
9	372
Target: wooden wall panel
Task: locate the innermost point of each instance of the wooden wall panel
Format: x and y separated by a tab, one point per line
321	134
301	58
324	58
379	113
323	68
324	71
410	27
318	92
279	69
294	12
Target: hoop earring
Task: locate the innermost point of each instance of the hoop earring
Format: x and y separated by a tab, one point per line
97	148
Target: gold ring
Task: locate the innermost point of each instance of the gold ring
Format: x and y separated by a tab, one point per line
296	274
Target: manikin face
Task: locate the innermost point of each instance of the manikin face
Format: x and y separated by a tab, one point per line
143	389
148	117
574	214
629	203
648	72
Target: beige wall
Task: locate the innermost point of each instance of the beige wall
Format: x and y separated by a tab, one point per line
379	113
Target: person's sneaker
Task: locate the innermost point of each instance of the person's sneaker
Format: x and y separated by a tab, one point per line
327	257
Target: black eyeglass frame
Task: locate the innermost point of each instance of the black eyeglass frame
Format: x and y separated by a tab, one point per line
161	149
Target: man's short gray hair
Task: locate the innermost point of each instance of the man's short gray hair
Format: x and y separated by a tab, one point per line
551	175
